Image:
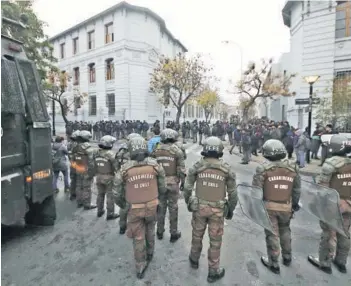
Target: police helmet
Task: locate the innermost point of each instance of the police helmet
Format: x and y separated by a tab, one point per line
168	134
137	146
85	135
132	135
339	145
75	134
176	134
212	145
274	149
107	141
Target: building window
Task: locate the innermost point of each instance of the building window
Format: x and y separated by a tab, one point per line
92	72
76	76
62	50
110	69
189	111
110	103
75	46
91	40
109	33
341	88
343	20
92	105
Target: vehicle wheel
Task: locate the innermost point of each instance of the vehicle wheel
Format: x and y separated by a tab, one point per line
42	214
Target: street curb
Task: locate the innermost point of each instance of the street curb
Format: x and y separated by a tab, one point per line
302	172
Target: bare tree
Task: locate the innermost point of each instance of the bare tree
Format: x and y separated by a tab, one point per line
260	82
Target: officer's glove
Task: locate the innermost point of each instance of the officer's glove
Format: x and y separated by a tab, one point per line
296	207
229	215
181	188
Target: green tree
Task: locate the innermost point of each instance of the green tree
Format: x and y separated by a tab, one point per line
36	43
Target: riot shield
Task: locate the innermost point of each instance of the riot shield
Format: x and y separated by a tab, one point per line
252	205
323	203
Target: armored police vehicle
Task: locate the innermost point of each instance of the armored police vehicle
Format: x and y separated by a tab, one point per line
26	175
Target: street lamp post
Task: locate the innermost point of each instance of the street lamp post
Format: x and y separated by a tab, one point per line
241	54
53	118
310	80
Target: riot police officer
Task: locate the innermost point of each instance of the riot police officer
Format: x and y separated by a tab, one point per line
72	145
138	185
85	170
213	179
281	185
179	144
105	167
171	158
336	174
122	157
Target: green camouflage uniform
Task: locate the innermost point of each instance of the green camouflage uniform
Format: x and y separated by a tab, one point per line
72	146
141	220
333	243
85	178
181	146
280	219
170	199
122	157
104	181
209	213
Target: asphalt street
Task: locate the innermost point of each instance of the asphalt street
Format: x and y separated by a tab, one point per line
82	249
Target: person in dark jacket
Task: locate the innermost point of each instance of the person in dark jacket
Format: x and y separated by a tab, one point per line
60	163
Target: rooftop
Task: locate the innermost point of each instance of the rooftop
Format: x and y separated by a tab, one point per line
286	13
123	5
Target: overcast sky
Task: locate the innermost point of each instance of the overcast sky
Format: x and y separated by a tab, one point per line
201	25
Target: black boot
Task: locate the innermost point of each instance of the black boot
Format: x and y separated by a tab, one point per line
79	205
215	276
273	268
159	235
141	273
91	207
340	267
149	257
287	261
112	216
175	237
315	262
100	213
122	230
72	197
194	264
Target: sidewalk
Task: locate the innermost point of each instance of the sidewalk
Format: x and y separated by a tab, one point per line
311	169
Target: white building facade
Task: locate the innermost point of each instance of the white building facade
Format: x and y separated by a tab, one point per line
111	56
320	44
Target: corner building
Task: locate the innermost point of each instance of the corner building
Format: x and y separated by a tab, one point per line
320	44
111	56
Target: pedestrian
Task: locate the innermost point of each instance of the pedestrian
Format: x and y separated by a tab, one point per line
60	163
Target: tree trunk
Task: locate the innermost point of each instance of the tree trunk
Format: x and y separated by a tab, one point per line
179	113
246	115
62	112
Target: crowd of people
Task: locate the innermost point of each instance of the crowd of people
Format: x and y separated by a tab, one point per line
248	138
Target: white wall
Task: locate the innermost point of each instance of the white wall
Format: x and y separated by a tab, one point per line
138	41
314	51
